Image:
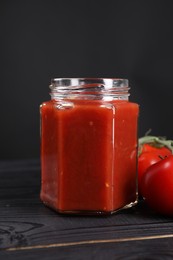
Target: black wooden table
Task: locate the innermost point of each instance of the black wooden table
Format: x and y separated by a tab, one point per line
29	230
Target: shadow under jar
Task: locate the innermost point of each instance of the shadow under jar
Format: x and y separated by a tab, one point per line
88	146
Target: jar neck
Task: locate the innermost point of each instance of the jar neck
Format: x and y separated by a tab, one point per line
89	88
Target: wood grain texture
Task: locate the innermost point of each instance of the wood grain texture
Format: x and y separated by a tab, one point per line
28	229
153	249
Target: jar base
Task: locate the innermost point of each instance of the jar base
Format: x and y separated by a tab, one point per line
91	212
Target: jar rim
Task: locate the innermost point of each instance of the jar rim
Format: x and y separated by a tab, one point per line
76	82
89	88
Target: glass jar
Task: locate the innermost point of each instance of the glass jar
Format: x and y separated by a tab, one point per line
89	146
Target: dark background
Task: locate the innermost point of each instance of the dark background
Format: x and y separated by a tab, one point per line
43	39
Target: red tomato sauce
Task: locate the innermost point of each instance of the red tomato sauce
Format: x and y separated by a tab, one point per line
88	155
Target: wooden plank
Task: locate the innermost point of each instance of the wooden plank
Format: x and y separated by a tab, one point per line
146	249
36	225
26	223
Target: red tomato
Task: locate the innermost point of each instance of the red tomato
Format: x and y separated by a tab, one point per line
163	151
157	186
145	160
149	155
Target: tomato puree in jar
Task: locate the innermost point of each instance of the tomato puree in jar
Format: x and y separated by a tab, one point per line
88	153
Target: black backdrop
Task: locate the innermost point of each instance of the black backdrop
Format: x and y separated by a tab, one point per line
43	39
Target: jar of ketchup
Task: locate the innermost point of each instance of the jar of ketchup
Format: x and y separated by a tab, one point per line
89	146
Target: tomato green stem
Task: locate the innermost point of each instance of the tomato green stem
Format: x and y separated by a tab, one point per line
162	158
155	141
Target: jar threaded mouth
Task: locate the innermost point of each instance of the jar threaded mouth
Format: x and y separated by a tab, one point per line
99	88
